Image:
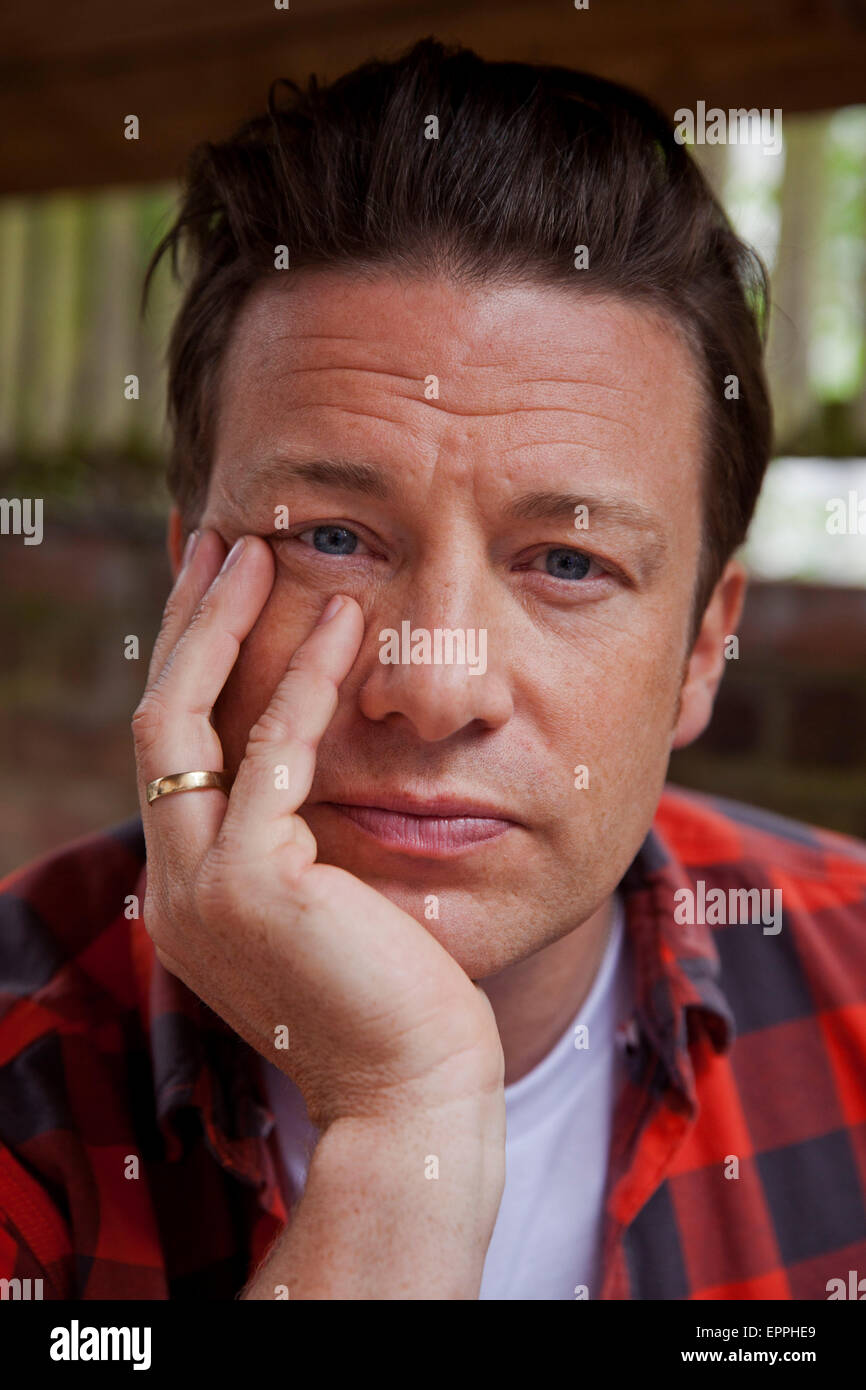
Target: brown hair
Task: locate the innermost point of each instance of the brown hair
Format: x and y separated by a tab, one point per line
530	162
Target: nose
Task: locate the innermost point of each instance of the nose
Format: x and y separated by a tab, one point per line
437	669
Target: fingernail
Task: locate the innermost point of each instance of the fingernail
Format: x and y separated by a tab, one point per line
331	610
234	554
189	549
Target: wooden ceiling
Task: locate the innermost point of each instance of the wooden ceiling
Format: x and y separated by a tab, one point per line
191	69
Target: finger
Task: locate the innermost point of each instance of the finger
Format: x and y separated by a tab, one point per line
172	727
200	565
277	769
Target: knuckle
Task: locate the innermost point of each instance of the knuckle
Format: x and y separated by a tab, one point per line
147	718
304	658
143	714
271	727
279	722
150	708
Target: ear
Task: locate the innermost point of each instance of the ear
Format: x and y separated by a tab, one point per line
175	541
707	661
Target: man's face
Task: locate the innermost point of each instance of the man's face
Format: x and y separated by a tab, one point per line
465	519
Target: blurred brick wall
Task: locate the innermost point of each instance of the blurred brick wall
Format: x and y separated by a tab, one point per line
67	692
789	731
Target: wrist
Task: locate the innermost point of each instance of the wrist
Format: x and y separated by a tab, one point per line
396	1206
458	1143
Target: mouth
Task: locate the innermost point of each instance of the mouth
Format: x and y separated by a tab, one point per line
435	828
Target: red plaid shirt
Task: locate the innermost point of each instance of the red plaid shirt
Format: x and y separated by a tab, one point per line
138	1156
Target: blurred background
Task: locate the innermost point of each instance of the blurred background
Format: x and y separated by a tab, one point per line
81	209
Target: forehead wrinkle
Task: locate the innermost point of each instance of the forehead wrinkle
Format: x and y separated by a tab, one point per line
368	415
342	367
307	407
501	412
576	444
367	340
297	334
577	381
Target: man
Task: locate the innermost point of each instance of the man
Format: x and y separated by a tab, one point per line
428	987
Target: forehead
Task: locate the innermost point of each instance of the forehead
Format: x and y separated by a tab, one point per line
429	372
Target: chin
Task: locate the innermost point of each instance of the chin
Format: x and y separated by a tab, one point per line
485	918
480	933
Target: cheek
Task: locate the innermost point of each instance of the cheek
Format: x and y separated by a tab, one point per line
643	698
614	709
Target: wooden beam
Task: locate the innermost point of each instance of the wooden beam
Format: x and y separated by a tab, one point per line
192	69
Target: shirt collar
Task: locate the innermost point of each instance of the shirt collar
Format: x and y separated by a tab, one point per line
677	970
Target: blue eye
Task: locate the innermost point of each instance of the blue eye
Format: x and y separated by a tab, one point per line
567	564
334	540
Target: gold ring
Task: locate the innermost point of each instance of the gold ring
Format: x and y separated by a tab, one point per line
188	782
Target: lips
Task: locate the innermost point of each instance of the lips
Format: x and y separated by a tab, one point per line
433	827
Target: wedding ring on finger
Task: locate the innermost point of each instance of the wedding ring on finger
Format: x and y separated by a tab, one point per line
188	782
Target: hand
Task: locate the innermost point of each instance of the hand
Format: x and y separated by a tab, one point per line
381	1020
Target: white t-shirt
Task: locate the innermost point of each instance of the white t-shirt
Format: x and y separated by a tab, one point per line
547	1236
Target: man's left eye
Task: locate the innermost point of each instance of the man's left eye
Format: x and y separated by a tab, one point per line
333	540
563	563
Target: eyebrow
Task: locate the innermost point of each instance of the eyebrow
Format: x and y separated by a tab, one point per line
346	474
365	478
560	506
